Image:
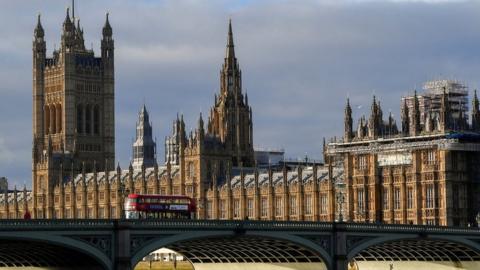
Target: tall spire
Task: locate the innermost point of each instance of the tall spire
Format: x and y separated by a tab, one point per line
73	10
39	32
107	29
230	53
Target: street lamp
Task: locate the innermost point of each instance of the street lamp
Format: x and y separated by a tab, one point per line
340	201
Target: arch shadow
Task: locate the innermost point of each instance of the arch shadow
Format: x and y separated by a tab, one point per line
77	251
229	247
416	248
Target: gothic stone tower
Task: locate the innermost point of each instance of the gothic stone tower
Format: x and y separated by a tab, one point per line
73	110
231	116
144	148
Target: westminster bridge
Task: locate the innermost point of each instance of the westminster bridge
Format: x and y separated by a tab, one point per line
210	244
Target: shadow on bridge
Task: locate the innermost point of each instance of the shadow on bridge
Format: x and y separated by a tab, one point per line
406	252
239	251
43	255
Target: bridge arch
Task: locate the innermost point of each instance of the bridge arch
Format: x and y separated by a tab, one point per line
446	250
217	247
56	247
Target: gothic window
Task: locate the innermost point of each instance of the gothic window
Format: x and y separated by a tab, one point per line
209	209
431	157
293	205
67	213
308	204
361	201
79	213
90	212
88	119
323	204
113	212
53	122
396	198
223	209
385	199
236	208
41	183
96	120
46	113
101	212
430	196
250	208
191	170
264	207
362	162
58	117
278	206
410	198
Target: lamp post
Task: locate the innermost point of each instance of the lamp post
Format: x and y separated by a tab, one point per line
340	199
121	191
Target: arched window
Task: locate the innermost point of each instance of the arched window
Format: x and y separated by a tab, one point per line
80	119
88	119
191	170
58	118
53	122
46	113
96	120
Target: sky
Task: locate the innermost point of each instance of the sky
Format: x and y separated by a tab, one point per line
300	60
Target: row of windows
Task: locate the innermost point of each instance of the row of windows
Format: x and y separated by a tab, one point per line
90	147
79	213
88	87
88	119
52	118
293	207
430	198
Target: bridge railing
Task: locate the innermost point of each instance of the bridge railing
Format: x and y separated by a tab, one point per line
81	224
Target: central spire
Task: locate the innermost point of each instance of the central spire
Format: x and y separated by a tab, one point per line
230	51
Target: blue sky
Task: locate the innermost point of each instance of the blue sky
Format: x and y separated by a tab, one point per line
300	60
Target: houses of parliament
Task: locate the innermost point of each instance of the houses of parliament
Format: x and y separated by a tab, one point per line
423	171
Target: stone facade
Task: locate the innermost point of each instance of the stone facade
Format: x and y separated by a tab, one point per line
73	154
422	174
425	172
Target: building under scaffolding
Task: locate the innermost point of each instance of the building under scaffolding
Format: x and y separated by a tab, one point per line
424	172
430	100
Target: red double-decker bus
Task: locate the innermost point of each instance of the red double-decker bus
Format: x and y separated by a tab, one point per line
159	207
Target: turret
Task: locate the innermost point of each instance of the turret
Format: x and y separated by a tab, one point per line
373	122
475	113
444	112
405	119
415	128
107	46
68	34
348	122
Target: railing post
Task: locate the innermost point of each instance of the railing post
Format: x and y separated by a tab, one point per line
122	259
